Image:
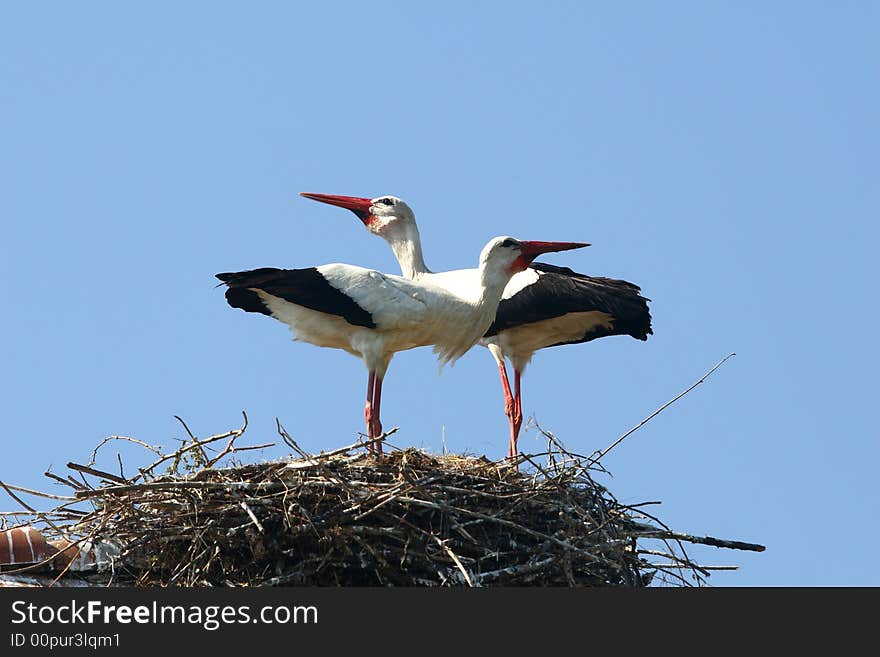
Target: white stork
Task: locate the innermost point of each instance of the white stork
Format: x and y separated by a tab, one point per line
373	315
542	306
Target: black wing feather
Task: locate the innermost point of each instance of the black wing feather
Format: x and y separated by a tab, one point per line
560	291
304	287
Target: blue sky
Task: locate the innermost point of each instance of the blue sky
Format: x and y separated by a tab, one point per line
723	156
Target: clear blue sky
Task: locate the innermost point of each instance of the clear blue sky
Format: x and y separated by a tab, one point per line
723	156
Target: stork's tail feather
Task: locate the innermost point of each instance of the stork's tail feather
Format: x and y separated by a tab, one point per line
251	277
247	300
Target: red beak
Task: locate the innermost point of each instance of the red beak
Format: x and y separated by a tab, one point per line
360	206
531	250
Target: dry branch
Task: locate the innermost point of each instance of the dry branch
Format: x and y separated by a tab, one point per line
598	455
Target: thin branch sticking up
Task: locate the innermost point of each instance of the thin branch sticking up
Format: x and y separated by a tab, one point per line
128	439
596	456
196	444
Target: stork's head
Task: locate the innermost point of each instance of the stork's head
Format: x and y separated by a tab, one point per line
382	215
510	255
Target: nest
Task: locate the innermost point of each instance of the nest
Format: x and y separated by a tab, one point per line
341	518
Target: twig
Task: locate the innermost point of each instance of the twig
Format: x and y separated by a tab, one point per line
357	445
683	562
688	566
96	473
511	571
38	493
290	442
596	456
252	516
172	485
124	438
41	516
454	557
196	444
193	438
230	447
647	531
62	480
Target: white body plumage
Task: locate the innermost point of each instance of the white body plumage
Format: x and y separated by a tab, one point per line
407	314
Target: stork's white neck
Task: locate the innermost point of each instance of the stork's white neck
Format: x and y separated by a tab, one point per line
407	246
478	290
493	280
475	309
478	287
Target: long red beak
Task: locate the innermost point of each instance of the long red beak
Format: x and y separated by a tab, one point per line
531	250
360	206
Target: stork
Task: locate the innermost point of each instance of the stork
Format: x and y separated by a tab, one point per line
373	315
542	306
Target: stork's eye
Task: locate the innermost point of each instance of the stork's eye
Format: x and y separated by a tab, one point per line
386	201
509	243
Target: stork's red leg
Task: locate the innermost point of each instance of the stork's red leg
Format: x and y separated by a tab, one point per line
368	411
376	423
517	418
509	408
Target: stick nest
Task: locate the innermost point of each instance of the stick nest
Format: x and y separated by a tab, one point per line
343	519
